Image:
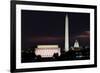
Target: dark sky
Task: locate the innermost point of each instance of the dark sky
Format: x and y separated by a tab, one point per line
79	22
79	28
42	27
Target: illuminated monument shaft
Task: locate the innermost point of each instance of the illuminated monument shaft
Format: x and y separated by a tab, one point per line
66	34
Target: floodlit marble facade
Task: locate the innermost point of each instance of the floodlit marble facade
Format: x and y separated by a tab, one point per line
47	50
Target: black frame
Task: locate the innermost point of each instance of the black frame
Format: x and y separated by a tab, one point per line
13	36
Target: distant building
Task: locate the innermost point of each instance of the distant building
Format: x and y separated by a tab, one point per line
47	50
76	46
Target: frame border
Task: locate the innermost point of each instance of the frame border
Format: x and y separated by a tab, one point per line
13	36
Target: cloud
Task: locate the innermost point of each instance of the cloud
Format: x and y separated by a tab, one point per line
82	36
85	34
47	39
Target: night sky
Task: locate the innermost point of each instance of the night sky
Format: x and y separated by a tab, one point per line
79	28
45	27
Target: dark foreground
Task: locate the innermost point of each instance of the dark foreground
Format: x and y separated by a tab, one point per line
70	55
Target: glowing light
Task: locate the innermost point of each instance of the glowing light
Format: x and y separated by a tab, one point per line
47	50
47	46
